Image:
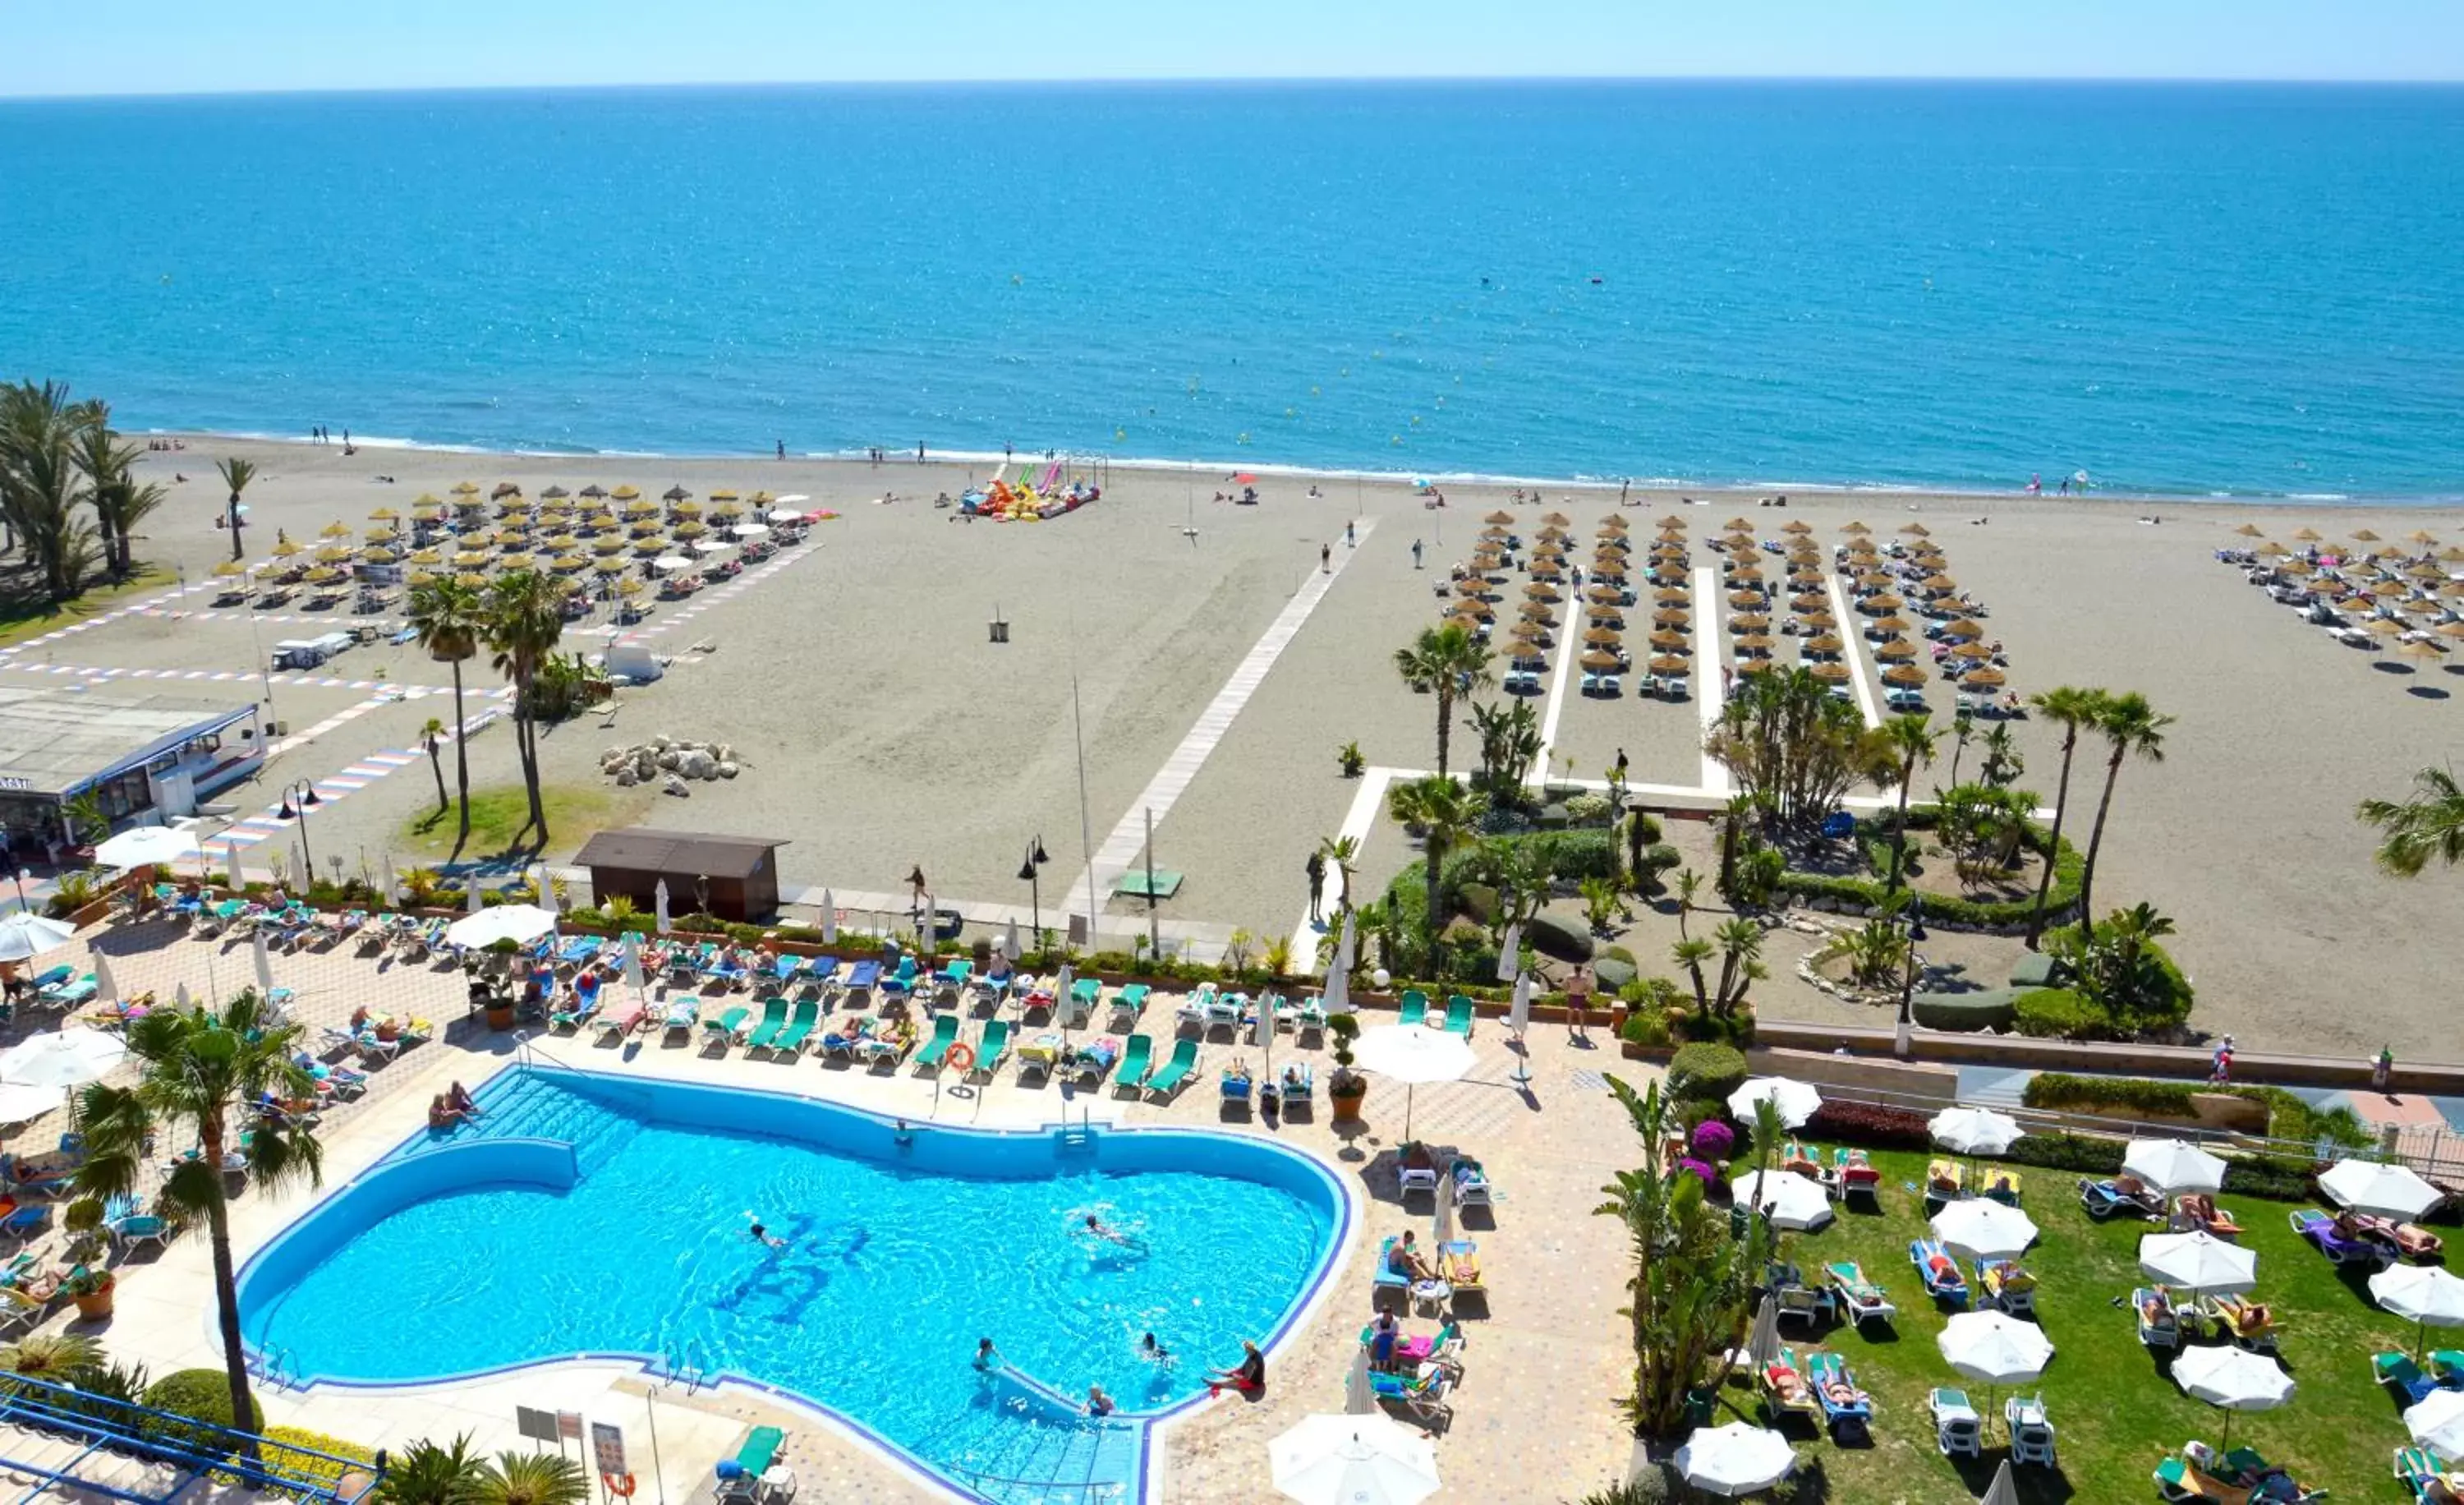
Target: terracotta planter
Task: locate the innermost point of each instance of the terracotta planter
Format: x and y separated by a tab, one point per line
500	1018
95	1307
1347	1106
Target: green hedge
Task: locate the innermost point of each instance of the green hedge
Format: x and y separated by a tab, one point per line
1945	910
2056	1013
1985	1008
1706	1073
201	1395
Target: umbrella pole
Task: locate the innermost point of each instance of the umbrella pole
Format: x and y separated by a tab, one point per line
1408	1089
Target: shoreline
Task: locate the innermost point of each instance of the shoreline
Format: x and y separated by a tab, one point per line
1655	486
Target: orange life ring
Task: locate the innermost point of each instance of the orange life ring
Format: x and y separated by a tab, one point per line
620	1485
963	1058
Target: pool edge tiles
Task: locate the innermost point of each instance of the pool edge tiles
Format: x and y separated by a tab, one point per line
421	1166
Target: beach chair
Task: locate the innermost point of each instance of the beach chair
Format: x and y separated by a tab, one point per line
901	982
1460	1012
739	1478
820	974
1945	1181
722	1031
1856	1176
1471	1187
2199	1210
1310	1017
2002	1283
681	1015
1086	995
846	1037
2415	1467
2032	1432
131	1228
1861	1298
2341	1249
2118	1196
863	977
2409	1240
774	1021
1848	1410
1784	1387
993	1049
887	1044
2249	1324
1414	1008
953	977
1090	1064
573	1018
945	1034
1421	1395
1236	1086
2447	1367
70	993
1297	1087
620	1020
1128	1003
2002	1187
790	1041
2160	1325
1417	1168
2400	1374
1458	1267
1136	1061
1184	1060
1939	1272
22	1221
1957	1429
1226	1010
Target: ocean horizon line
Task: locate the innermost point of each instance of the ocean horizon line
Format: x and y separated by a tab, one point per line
895	458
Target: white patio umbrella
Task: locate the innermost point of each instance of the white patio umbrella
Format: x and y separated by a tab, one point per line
107	987
1761	1344
1337	996
670	563
263	956
1795	1101
145	847
1358	1398
634	977
2426	1294
1995	1349
2004	1490
180	996
1061	998
1010	942
2436	1423
1509	954
473	900
1412	1054
1974	1131
390	889
1790	1199
2232	1379
518	923
659	900
1979	1227
2389	1191
23	1102
1353	1460
62	1058
1518	1018
1442	1220
1735	1459
2198	1262
25	934
829	919
2173	1167
750	530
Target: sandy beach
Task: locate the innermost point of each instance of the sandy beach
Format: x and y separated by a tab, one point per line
880	729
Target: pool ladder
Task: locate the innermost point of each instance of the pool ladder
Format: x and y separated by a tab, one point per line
1079	1136
279	1368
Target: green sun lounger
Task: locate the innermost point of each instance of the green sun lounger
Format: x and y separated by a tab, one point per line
1415	1007
1087	991
994	1048
800	1025
1184	1060
1137	1058
954	975
1459	1012
945	1034
722	1030
773	1019
759	1450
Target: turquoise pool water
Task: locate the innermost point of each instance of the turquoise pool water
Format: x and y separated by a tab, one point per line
502	1247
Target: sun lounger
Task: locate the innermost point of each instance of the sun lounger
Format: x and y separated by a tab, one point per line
575	1017
1226	1010
774	1020
1086	995
130	1229
23	1220
1864	1301
619	1020
1471	1187
1417	1168
2398	1372
1414	1008
2121	1195
1089	1063
1297	1086
2416	1466
790	1041
863	977
1310	1016
1848	1409
1459	1266
1939	1272
682	1013
2002	1186
819	975
2447	1367
843	1040
1236	1086
1856	1176
578	950
952	976
1192	1009
887	1046
945	1034
2199	1210
1184	1060
1957	1429
1128	1003
2340	1247
1460	1012
2250	1325
1784	1387
1136	1061
740	1478
2032	1431
722	1031
1945	1181
2003	1283
993	1049
2160	1326
1423	1395
2410	1240
901	982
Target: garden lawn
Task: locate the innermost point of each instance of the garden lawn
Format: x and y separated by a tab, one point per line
2116	1412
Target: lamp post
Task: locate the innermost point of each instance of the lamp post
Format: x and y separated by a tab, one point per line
1031	872
298	800
1902	1040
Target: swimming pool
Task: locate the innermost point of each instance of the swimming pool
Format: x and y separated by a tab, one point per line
601	1215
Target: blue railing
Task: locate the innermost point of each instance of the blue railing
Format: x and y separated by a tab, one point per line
125	1428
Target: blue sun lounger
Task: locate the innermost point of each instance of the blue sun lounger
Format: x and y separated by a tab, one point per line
864	977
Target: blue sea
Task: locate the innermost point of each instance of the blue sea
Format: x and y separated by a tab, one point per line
2171	289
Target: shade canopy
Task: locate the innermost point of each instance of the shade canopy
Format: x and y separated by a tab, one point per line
2391	1191
1995	1347
2424	1293
2235	1379
1412	1053
23	1102
518	923
2173	1165
62	1058
145	845
1790	1199
1735	1459
1795	1101
1974	1131
2198	1262
1369	1459
1979	1227
2437	1422
25	934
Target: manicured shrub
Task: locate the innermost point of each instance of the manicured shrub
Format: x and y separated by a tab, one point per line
1585	810
202	1395
1645	1027
1985	1008
2131	1094
1706	1073
1872	1125
1479	901
2268	1176
1714	1141
1574	855
2056	1013
2067	1152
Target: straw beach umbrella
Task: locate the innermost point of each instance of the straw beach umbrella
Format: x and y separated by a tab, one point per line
1906	676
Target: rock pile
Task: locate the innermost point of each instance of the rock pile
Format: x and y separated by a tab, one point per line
669	761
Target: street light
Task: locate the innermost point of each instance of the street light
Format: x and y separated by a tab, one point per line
1902	1042
307	801
1030	873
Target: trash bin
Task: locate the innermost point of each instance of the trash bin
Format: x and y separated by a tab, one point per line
999	631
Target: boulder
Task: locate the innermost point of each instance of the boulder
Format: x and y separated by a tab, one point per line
727	770
668	758
724	752
626	778
698	765
1613	974
676	786
1566	940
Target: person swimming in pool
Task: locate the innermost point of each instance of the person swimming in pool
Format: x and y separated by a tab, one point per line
1153	1352
1097	1228
987	1357
761	1234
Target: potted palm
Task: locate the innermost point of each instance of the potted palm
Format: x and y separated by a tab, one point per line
89	1283
500	1003
1345	1087
90	1287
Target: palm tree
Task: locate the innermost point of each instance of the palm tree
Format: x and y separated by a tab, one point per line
201	1075
525	618
2129	726
449	617
1445	661
428	1473
1912	743
56	1357
1444	813
431	738
2070	708
532	1478
2430	824
1963	726
237	475
40	485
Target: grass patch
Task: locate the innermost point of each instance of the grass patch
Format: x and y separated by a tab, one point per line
2117	1412
498	813
26	614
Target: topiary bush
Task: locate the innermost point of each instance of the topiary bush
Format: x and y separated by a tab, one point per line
2056	1013
1985	1008
1706	1073
1657	861
2072	1152
201	1395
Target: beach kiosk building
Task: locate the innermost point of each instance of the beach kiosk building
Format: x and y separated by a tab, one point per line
740	872
140	758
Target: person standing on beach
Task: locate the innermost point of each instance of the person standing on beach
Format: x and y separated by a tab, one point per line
1623	487
1315	868
1350	540
2383	1069
1326	559
920	452
1416	553
783	449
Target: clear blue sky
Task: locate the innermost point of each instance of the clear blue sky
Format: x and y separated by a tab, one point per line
181	46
